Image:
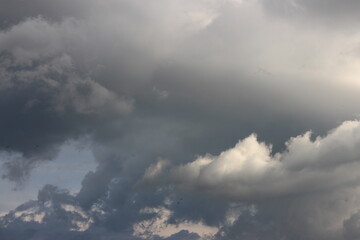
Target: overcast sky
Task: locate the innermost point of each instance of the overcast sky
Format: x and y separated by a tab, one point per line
180	119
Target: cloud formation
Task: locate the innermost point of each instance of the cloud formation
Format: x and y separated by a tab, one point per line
161	91
250	170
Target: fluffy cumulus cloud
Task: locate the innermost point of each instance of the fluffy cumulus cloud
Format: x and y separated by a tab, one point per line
251	170
313	180
209	119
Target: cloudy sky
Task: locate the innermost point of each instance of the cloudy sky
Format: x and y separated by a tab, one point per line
180	119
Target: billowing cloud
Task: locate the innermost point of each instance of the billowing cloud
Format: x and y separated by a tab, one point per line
313	183
250	170
170	75
42	93
161	91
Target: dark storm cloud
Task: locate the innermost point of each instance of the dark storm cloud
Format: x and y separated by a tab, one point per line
57	215
157	84
13	12
45	104
45	100
182	84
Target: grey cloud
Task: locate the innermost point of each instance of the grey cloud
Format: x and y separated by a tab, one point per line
333	13
57	215
250	170
351	227
192	85
41	103
45	100
117	65
13	12
51	216
304	192
95	184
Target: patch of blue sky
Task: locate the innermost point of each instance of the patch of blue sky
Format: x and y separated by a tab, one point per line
73	162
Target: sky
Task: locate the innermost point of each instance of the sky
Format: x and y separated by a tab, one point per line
180	119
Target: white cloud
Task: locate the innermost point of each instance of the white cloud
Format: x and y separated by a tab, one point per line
249	169
154	170
159	226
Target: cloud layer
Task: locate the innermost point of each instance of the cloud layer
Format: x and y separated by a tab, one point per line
250	170
161	91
